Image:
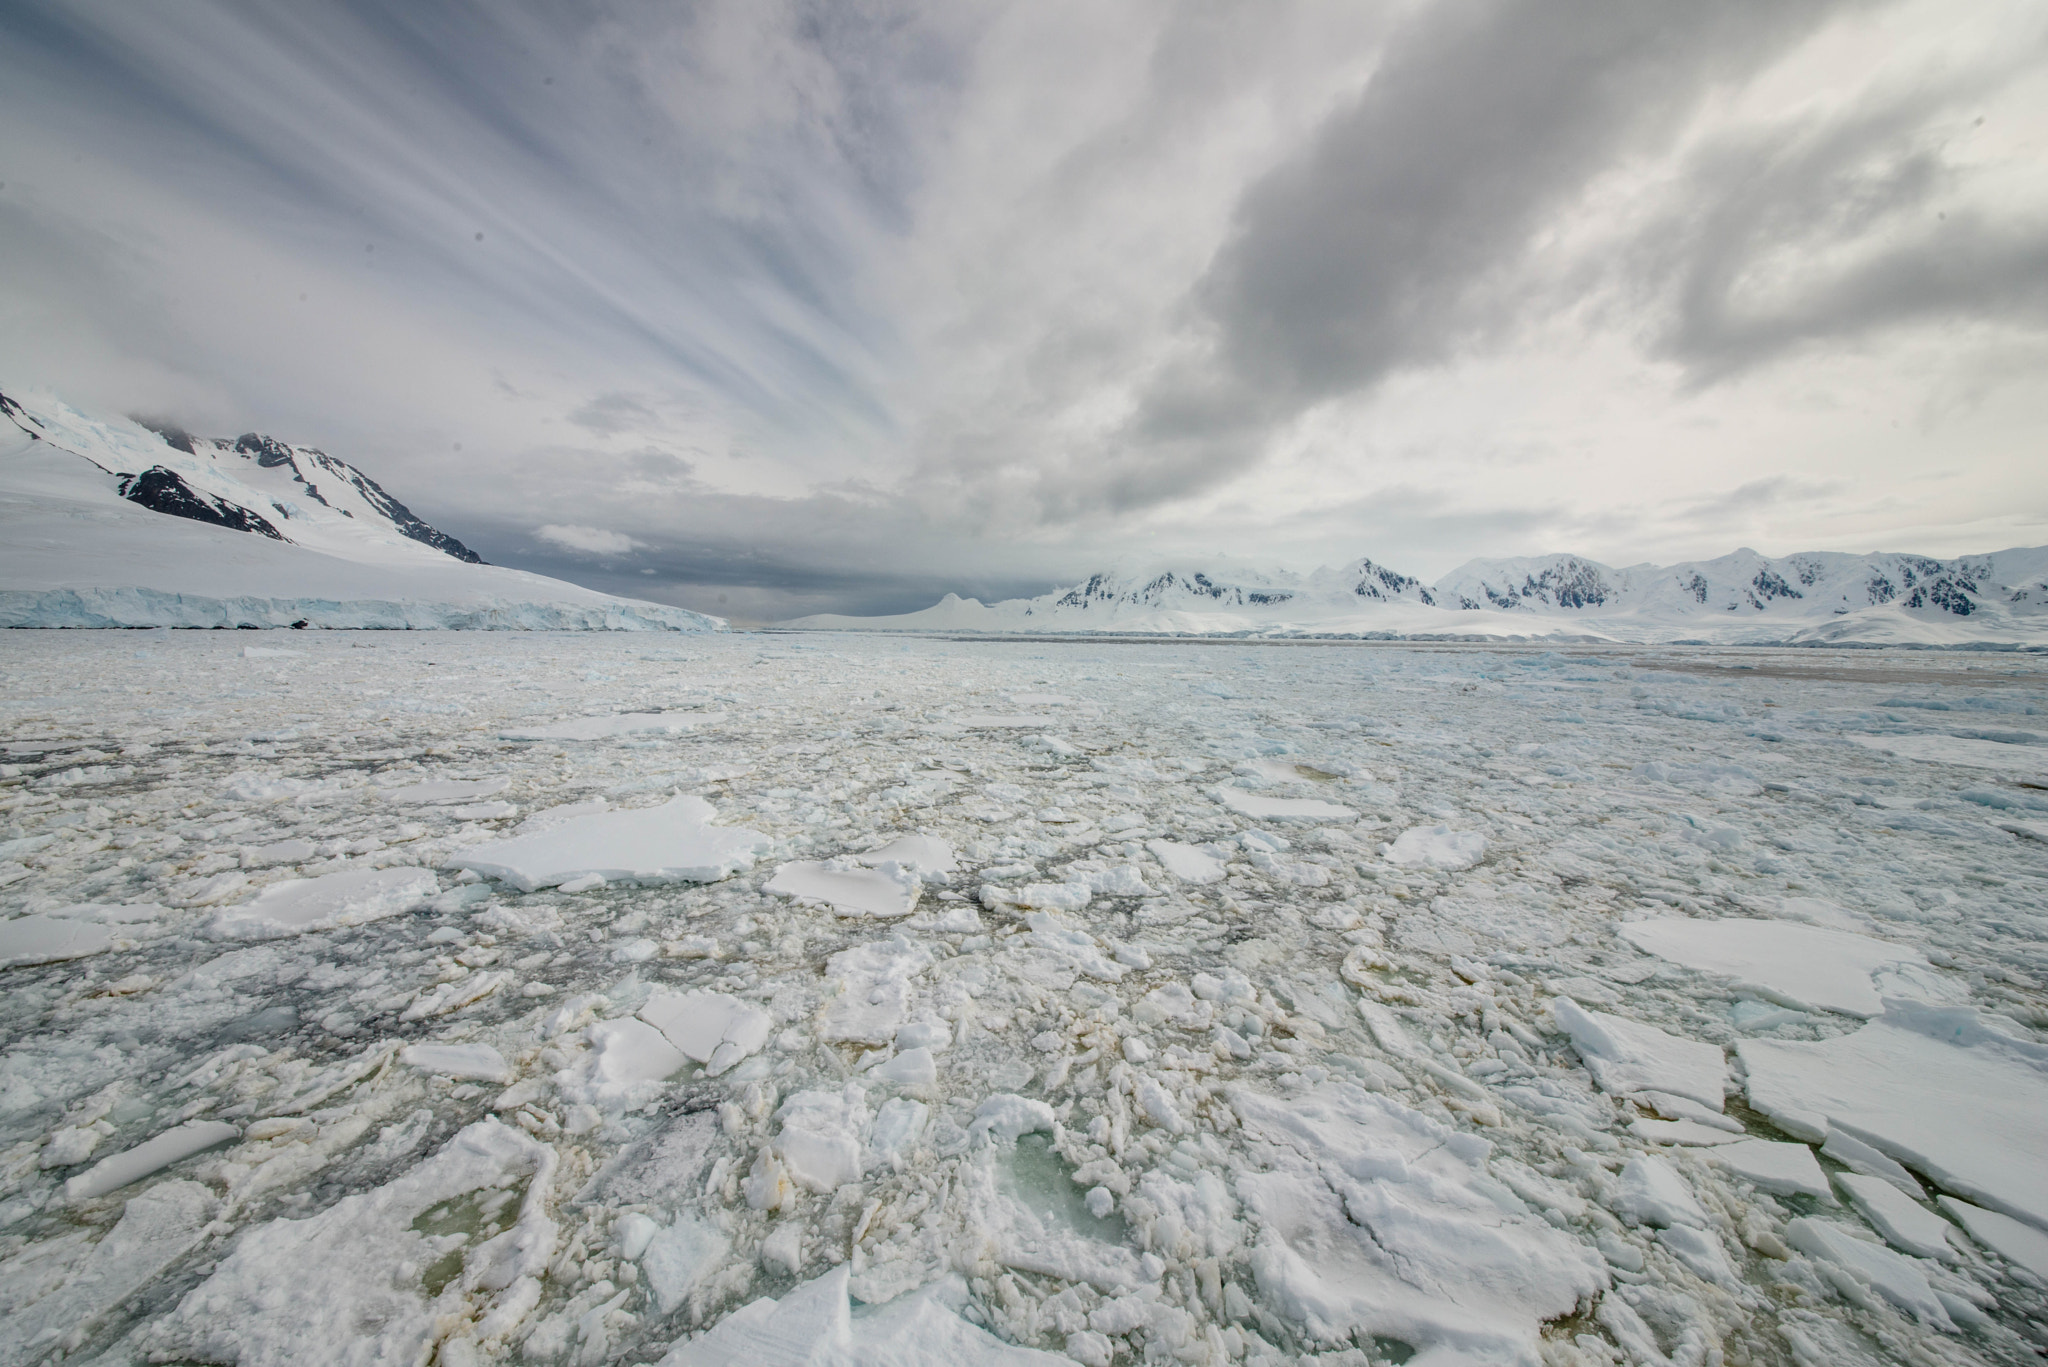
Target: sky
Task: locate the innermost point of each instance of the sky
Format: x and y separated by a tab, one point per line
768	308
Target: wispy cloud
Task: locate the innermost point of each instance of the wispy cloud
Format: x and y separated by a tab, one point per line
869	299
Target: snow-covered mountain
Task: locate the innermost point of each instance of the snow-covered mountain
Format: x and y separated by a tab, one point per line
1817	597
108	523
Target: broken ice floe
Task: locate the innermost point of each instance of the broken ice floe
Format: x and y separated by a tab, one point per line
674	842
850	887
1627	1057
1261	807
1930	1087
351	897
713	1028
1806	967
622	724
1437	847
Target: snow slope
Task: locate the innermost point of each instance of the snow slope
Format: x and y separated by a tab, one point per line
107	524
1739	599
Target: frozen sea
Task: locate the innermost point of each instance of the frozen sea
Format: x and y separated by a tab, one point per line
475	997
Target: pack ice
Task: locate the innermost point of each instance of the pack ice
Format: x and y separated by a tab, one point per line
572	999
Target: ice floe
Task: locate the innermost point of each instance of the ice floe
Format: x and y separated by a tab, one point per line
621	724
714	1028
672	843
1929	1087
850	887
298	906
1437	847
1807	967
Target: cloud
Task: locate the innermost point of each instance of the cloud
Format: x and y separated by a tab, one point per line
588	540
844	304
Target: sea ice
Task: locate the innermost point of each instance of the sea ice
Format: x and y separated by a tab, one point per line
871	1000
1186	863
813	1326
1437	847
1628	1056
478	1061
1379	1221
622	724
298	906
1905	1224
714	1028
887	891
1930	1088
1262	808
672	843
2024	1245
49	939
1807	967
153	1155
1779	1168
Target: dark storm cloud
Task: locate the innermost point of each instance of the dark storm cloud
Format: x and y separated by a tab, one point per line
1874	211
1391	239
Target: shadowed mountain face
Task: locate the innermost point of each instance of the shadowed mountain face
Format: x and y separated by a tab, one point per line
165	491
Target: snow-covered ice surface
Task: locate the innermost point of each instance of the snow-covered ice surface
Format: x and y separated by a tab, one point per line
577	999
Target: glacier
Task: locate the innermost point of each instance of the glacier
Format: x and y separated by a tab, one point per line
246	533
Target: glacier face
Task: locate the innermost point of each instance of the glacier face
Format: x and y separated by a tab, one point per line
258	534
1825	597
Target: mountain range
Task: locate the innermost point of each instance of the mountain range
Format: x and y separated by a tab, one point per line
109	523
1819	597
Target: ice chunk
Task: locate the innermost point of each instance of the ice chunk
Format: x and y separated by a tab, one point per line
627	1062
672	843
821	1139
1805	966
1627	1056
1073	944
927	855
445	790
152	1155
872	997
1052	896
899	1124
813	1326
679	1257
2021	1244
1651	1192
1380	1221
1185	862
479	1061
846	886
279	852
1905	1224
49	939
1263	808
1961	750
1781	1169
1895	1278
365	1254
622	724
715	1029
1437	847
157	1227
1965	1110
298	906
1689	1132
911	1068
1007	1115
